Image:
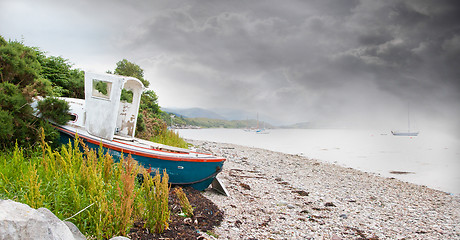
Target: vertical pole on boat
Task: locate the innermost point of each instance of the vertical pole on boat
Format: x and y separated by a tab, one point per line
408	117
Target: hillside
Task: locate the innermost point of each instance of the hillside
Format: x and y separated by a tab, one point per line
184	122
193	113
219	123
215	118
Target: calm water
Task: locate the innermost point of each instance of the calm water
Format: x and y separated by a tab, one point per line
433	158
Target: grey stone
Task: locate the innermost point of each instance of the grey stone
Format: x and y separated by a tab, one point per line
119	238
75	231
19	221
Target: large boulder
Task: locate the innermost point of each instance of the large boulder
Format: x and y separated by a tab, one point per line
19	221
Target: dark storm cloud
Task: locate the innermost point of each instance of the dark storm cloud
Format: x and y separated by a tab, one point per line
310	57
351	61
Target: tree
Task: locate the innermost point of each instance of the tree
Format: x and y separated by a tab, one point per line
149	102
19	65
67	82
127	68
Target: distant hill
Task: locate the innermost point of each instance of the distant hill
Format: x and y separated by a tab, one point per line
219	113
209	119
233	114
193	113
226	118
221	123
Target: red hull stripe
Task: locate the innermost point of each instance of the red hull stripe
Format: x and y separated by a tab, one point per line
141	153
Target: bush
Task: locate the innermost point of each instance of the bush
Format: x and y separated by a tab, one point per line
20	81
152	126
17	123
6	126
55	110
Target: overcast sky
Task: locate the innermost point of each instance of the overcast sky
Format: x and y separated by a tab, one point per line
347	62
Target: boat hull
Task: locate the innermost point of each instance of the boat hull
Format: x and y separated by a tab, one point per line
404	133
182	170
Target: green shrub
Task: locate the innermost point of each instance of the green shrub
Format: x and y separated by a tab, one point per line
17	124
6	126
55	110
171	138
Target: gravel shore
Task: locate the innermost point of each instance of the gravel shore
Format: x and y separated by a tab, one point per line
281	196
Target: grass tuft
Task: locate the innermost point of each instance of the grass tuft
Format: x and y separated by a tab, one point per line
156	193
184	203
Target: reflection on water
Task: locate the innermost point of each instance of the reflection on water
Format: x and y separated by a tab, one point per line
431	159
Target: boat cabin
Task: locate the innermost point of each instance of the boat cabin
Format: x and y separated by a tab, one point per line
112	105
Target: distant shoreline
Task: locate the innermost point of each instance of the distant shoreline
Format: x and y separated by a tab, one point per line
281	196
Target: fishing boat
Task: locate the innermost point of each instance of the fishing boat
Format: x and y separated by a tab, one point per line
260	130
102	119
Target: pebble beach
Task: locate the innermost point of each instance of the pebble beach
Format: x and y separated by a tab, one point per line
274	195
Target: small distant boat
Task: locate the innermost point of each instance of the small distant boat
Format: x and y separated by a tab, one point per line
102	119
261	130
396	133
408	133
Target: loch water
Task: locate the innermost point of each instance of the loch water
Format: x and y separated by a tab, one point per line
431	158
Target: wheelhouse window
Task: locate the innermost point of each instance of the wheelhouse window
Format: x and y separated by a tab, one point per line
101	89
126	96
73	117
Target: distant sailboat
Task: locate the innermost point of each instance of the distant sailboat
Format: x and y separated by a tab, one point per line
408	133
261	130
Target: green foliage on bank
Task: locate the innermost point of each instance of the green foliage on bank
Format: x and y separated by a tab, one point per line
218	123
100	196
23	78
171	138
66	82
55	110
215	123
